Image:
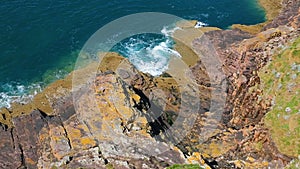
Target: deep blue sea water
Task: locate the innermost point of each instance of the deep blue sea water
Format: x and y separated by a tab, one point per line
40	40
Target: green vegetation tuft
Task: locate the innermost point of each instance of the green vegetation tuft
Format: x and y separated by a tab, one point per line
282	83
109	166
185	166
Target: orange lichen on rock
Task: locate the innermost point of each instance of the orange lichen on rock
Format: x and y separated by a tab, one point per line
59	143
197	158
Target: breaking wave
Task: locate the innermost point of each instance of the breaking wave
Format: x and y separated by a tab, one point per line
23	92
16	92
149	52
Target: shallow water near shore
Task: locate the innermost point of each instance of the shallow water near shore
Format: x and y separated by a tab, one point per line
40	41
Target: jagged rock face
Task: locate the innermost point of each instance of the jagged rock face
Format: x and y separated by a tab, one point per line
242	58
105	127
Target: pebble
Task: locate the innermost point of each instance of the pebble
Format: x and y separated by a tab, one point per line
294	76
136	128
288	109
290	87
273	102
278	75
294	66
279	86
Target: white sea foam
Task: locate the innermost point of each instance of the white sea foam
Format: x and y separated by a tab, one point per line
200	24
17	92
149	53
151	56
169	30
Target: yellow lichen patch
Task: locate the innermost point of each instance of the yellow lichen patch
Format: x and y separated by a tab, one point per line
17	109
216	150
252	29
108	113
208	29
59	143
136	97
196	158
87	141
20	109
78	136
112	100
110	61
73	133
205	155
5	117
122	110
250	159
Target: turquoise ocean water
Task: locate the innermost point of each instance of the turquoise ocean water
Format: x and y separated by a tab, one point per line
40	40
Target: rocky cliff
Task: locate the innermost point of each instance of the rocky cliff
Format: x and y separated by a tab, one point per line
123	118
